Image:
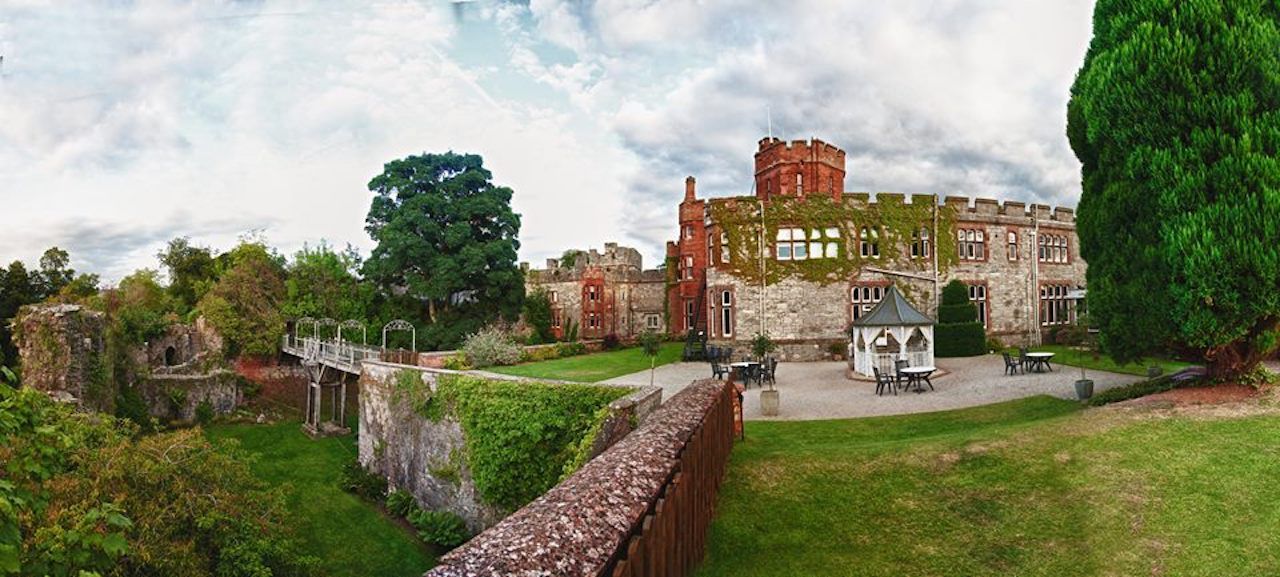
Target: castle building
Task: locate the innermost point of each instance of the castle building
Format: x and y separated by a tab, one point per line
602	293
801	259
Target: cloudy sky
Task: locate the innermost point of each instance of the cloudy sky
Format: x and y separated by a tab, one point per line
125	124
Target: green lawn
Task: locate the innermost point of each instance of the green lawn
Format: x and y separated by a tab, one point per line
594	367
1035	487
1064	355
350	536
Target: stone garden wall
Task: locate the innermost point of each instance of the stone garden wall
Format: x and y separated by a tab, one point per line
177	397
642	508
426	457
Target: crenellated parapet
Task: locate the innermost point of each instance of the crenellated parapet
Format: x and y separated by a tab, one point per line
965	206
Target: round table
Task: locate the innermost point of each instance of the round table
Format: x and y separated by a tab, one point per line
1040	361
741	367
917	375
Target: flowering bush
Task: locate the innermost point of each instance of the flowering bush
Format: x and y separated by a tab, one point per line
491	346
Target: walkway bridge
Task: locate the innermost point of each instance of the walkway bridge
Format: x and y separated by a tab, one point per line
340	353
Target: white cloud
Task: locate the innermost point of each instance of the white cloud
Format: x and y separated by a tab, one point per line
124	125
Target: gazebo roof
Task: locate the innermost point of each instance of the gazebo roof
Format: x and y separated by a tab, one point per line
893	311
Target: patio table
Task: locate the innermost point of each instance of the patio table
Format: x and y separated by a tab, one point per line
918	375
744	368
1040	361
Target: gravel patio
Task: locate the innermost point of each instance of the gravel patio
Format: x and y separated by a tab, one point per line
820	390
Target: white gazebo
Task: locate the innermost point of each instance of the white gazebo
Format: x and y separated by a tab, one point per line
893	330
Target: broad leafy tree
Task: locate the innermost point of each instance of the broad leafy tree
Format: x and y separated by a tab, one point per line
55	271
324	283
191	269
1175	117
245	304
446	237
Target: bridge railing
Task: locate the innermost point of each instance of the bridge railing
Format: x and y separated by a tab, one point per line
331	351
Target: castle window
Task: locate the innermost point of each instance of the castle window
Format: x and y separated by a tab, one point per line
555	318
726	313
592	295
833	244
724	247
799	184
920	243
1052	248
792	244
688	267
972	244
593	321
689	314
978	296
553	296
653	321
688	231
869	242
1055	307
1013	245
863	298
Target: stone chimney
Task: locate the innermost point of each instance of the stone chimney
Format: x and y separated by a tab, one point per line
690	186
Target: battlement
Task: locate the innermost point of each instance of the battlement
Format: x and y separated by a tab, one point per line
798	168
614	258
980	206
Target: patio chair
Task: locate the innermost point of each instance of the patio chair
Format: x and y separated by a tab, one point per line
718	371
1011	365
884	381
898	365
769	372
1023	359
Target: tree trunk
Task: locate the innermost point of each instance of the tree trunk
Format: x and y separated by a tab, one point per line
1227	362
431	310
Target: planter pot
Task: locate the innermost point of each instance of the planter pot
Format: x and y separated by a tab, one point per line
769	403
1154	371
1084	389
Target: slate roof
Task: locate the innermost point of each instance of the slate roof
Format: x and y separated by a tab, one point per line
893	311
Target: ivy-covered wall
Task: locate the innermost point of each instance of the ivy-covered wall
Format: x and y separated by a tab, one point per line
482	448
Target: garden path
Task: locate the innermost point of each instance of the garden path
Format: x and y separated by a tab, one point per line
820	390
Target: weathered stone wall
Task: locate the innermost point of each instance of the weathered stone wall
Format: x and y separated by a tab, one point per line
177	397
426	458
61	349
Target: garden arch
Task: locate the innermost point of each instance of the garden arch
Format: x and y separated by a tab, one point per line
402	326
351	325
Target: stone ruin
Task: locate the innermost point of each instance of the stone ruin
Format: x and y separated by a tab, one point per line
62	350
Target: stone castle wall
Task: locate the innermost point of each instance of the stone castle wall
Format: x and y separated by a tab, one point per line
629	298
61	348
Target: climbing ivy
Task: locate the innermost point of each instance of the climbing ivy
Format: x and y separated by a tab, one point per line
740	220
521	437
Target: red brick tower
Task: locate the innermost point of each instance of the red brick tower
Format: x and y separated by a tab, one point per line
798	168
687	310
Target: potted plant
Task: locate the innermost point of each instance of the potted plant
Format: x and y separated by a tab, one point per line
761	346
1084	386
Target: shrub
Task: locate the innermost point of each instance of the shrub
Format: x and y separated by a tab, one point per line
762	345
611	342
537	314
571	332
570	349
995	344
401	503
837	349
958	334
442	528
355	479
533	355
204	413
1138	389
455	363
491	346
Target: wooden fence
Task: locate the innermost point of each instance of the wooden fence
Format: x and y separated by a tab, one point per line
671	539
641	508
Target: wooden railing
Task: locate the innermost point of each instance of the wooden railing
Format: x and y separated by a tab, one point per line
671	539
642	508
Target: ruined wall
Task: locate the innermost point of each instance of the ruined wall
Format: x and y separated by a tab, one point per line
627	296
61	348
176	397
427	458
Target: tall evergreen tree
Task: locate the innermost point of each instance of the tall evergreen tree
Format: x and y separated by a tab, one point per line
1175	117
447	237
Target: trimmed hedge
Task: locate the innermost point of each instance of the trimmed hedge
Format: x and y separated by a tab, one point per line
1140	389
958	334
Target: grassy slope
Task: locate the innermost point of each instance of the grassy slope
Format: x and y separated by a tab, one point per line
350	536
594	367
1030	487
1064	355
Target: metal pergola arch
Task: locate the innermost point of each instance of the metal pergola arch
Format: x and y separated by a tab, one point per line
400	325
352	324
324	322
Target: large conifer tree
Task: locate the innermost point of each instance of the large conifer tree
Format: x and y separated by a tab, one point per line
1175	117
